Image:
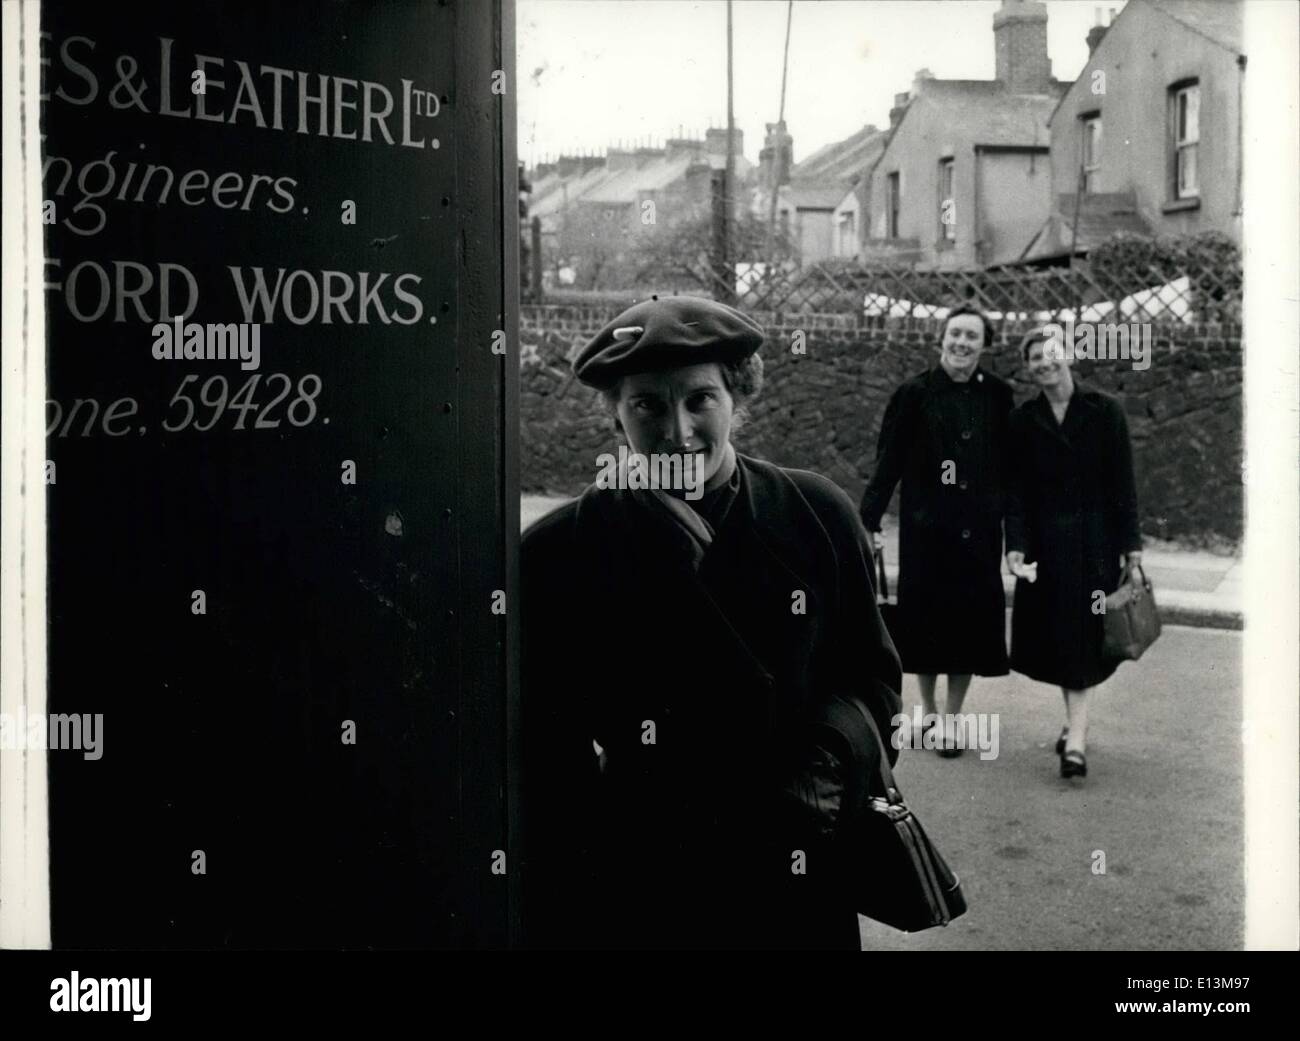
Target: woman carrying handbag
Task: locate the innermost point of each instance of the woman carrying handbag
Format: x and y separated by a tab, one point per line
680	647
1072	535
943	441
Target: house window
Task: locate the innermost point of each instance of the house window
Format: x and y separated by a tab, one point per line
1185	120
1091	152
947	204
892	206
848	231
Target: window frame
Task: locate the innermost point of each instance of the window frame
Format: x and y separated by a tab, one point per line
1090	164
847	222
893	203
1184	140
948	170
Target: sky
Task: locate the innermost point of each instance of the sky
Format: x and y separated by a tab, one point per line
593	73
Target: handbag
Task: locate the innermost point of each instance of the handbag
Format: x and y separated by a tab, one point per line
895	873
1132	620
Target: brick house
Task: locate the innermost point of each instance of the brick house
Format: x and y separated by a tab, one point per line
964	178
599	214
1151	129
824	205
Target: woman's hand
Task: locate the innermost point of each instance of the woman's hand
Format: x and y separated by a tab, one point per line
877	541
1133	561
1017	566
816	794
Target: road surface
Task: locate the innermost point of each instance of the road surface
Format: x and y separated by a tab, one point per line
1162	801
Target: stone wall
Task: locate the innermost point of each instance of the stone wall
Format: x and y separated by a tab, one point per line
821	411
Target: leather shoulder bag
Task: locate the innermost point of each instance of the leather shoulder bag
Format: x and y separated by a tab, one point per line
1132	622
896	874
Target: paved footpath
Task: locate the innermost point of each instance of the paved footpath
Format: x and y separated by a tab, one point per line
1192	587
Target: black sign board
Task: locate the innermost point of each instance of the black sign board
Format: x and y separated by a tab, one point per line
278	516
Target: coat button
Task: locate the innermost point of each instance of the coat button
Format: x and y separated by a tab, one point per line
965	533
962	485
965	435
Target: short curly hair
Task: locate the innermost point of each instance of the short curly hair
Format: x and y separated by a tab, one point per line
743	379
1039	334
987	322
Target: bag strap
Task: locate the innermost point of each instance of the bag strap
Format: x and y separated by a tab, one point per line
882	586
1126	579
1128	570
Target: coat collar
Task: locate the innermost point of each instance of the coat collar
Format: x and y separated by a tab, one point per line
938	378
1084	404
782	520
766	503
775	530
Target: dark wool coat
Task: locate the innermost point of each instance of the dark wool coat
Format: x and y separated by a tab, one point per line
699	689
1072	507
951	606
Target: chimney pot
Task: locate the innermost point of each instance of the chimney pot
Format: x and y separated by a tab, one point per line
900	106
715	140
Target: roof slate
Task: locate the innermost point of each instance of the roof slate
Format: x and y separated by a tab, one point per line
842	160
569	190
1217	20
986	112
1100	216
816	195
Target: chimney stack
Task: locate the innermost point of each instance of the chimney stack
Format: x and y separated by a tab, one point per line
900	106
617	159
681	147
775	160
1095	33
1020	42
715	141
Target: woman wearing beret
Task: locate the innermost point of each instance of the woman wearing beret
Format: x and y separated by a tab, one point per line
1072	522
677	647
943	437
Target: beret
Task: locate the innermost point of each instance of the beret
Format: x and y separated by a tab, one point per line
666	334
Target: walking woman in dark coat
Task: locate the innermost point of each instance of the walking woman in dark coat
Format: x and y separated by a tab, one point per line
944	437
676	650
1072	526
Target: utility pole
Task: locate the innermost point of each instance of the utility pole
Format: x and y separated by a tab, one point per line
729	188
778	165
